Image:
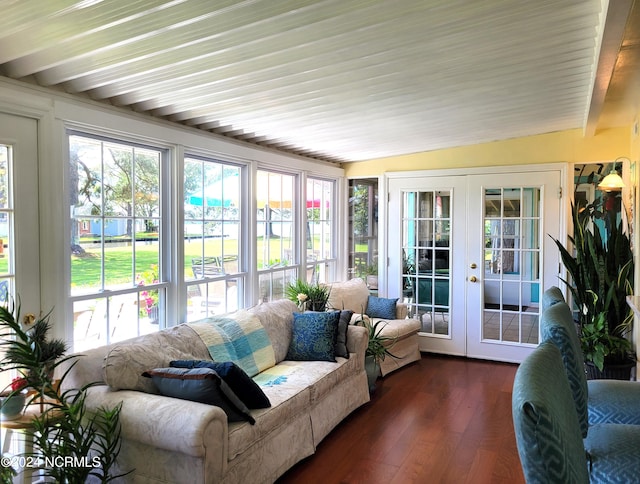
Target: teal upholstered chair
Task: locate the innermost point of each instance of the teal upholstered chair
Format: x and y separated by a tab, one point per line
551	296
545	421
597	401
548	433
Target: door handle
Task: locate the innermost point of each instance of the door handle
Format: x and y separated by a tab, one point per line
473	279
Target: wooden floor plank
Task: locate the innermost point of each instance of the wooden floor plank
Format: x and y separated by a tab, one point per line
440	420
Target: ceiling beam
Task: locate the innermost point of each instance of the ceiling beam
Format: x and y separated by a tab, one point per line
616	13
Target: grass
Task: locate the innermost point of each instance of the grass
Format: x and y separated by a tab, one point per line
86	270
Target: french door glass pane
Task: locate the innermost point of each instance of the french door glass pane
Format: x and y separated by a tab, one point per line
426	252
512	264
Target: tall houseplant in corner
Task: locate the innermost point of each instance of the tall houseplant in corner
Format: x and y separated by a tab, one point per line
601	273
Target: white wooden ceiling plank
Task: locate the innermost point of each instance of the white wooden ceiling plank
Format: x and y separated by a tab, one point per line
211	32
66	31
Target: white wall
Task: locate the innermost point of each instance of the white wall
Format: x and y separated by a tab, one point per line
56	112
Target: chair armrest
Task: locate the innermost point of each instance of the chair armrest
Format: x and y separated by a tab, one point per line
357	341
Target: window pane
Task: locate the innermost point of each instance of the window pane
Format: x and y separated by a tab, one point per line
319	229
212	232
115	227
363	227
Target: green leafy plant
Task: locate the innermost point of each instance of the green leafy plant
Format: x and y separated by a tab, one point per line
308	296
64	428
379	345
7	473
601	278
597	344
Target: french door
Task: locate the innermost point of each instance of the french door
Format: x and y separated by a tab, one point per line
471	255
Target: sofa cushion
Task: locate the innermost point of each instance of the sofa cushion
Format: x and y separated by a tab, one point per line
341	339
313	336
277	319
240	383
199	385
351	294
125	362
239	337
380	307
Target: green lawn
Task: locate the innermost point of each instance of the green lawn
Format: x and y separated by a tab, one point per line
86	270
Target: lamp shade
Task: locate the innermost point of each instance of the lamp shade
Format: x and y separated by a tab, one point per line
611	183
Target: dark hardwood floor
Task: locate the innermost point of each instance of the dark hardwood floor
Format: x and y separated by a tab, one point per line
440	420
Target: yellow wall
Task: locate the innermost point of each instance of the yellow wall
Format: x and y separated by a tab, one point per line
565	146
570	146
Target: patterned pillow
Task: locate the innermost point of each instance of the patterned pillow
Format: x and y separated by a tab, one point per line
240	383
380	307
314	336
200	385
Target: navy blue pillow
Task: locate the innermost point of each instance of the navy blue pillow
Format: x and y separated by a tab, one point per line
380	307
313	336
200	385
242	385
341	339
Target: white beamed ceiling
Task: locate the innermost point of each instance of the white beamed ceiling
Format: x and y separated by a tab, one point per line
338	80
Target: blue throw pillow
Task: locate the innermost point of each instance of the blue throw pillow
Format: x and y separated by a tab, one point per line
240	383
200	385
380	307
313	336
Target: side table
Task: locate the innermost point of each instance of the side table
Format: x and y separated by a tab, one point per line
21	424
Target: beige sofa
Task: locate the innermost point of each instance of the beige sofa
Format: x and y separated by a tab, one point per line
353	295
170	440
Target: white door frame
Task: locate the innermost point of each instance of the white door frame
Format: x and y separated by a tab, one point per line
562	168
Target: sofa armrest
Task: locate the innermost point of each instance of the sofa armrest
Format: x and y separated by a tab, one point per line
357	340
176	425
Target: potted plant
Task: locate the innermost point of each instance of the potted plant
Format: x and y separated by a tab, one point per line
378	348
308	296
63	429
13	399
601	273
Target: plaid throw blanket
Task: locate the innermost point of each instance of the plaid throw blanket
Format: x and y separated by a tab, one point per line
238	337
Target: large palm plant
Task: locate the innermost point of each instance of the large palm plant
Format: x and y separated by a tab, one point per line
601	278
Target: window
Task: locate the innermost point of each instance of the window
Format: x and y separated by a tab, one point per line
320	244
363	227
7	274
118	288
212	237
277	253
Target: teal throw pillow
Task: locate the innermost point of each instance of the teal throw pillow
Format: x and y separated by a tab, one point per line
200	385
313	336
380	307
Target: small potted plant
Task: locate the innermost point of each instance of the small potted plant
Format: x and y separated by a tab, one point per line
13	399
312	297
378	348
